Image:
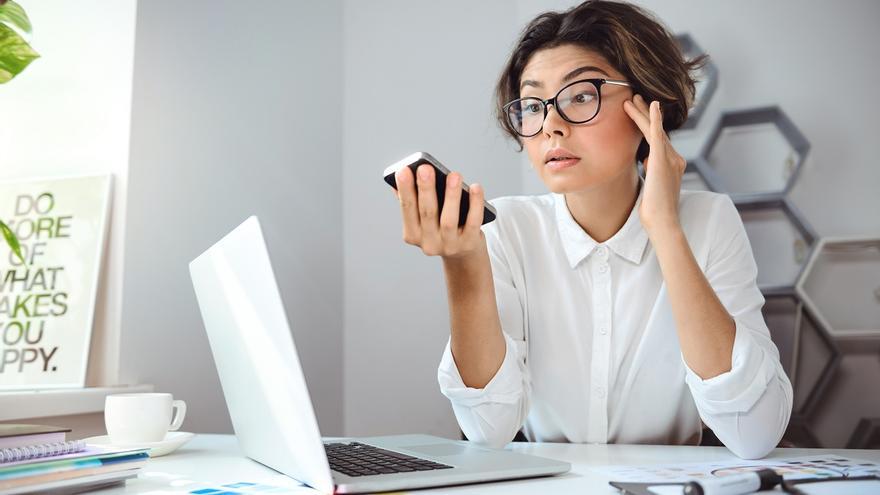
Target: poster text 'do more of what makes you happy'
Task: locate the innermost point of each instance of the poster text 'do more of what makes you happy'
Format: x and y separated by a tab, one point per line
30	294
47	302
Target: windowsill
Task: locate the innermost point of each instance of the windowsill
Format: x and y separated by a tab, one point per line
63	402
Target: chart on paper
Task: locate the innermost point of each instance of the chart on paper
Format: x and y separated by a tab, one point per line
821	466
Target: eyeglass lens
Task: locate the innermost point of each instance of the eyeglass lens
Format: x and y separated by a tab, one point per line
577	103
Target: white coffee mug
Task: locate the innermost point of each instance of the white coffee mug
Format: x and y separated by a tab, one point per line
141	418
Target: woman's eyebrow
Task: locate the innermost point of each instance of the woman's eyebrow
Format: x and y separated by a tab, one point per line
580	70
568	77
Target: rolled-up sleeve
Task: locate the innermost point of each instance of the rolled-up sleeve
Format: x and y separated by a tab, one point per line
492	415
748	407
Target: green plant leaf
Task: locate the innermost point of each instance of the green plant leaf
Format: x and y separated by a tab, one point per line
12	241
12	13
15	53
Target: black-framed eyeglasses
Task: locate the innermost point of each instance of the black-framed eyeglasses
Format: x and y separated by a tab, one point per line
577	103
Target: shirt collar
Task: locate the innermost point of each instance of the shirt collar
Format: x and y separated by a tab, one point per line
629	242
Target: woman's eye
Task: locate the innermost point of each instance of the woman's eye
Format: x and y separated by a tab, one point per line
582	98
531	108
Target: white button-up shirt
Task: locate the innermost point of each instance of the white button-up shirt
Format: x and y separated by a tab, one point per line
592	349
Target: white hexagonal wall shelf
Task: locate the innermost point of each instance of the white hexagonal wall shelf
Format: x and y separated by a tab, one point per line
841	284
753	154
822	296
816	359
781	240
808	354
782	313
707	80
692	180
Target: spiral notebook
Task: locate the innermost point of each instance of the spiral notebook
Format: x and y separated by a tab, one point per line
39	451
17	435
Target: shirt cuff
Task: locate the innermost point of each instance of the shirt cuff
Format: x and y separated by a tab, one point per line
737	390
504	388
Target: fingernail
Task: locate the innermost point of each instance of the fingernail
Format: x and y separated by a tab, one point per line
423	173
454	180
475	188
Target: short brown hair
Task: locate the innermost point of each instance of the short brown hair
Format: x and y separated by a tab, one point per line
631	39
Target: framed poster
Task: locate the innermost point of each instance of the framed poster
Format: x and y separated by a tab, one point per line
47	303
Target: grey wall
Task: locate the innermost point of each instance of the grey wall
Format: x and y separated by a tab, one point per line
771	53
291	110
235	112
395	307
69	115
418	76
776	53
816	61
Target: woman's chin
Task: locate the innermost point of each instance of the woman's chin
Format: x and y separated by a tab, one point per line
563	188
564	185
571	181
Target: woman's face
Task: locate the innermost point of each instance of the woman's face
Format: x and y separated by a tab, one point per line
604	148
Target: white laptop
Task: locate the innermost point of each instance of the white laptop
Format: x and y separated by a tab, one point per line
270	406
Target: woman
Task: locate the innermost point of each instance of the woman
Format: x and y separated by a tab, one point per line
615	309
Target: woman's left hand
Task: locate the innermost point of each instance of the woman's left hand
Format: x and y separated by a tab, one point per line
663	167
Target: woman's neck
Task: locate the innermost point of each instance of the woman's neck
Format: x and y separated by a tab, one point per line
602	211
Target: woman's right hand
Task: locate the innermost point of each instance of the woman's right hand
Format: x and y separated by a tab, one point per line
437	232
476	341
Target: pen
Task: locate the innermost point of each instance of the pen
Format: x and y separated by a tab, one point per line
735	484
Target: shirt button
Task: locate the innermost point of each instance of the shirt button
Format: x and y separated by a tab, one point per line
601	251
600	392
603	268
603	330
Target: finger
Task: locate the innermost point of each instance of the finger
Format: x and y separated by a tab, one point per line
641	108
451	208
475	210
640	118
657	138
639	112
428	214
408	206
663	135
642	105
656	119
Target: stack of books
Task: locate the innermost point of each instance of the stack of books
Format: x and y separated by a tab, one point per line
39	459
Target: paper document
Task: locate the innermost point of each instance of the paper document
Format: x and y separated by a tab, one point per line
791	468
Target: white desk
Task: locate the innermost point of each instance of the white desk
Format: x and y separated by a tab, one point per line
216	459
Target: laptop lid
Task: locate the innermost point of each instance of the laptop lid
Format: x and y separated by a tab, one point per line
256	359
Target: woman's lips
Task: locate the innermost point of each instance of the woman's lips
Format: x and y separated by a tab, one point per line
555	165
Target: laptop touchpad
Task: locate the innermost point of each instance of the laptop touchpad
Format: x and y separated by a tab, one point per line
441	449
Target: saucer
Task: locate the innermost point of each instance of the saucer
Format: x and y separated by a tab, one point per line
173	440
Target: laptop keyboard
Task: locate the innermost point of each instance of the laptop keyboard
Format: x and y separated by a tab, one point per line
357	459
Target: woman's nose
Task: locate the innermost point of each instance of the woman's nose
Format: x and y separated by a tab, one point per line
554	123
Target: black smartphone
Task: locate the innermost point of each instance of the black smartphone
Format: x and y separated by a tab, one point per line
440	172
